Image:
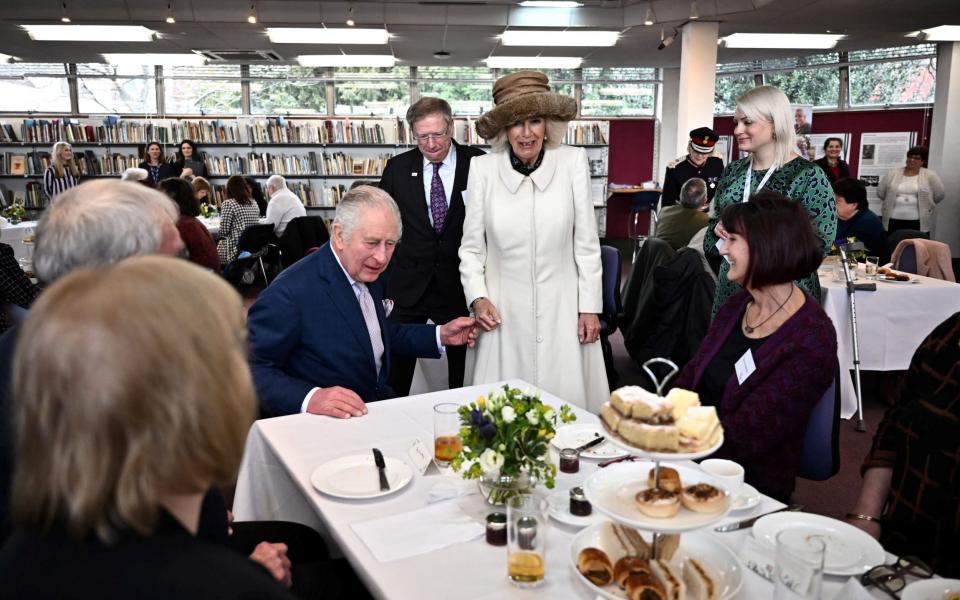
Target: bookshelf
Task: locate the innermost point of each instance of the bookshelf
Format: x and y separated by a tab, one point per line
318	157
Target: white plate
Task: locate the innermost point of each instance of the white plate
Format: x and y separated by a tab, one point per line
572	436
621	443
559	509
748	498
356	476
912	280
850	551
930	589
611	490
719	561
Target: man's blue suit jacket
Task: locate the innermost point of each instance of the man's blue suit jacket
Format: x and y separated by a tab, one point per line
307	330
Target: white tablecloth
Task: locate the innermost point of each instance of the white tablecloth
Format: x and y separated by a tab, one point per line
891	323
274	483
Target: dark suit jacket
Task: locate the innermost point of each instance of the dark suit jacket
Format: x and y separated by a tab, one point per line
841	164
307	330
424	255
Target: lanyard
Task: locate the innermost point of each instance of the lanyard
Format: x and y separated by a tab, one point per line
746	184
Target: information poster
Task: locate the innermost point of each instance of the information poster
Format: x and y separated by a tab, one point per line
723	147
880	152
802	123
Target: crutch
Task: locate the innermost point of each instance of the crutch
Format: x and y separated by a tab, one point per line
853	326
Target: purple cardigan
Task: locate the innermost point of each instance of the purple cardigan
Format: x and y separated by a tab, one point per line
765	419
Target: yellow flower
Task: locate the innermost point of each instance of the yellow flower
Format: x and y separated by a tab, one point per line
481	402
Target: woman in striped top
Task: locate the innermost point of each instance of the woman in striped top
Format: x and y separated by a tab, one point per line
62	174
236	214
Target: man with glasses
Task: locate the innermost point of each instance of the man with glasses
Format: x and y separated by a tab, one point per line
698	162
428	184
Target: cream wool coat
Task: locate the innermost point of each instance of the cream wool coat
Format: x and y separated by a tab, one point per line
530	245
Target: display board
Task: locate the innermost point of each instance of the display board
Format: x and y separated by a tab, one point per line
880	152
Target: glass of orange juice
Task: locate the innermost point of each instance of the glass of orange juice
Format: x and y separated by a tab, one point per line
446	434
526	540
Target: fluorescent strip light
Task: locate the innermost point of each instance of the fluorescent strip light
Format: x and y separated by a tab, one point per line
168	60
541	37
943	33
542	62
347	60
550	4
801	41
5	58
319	35
89	33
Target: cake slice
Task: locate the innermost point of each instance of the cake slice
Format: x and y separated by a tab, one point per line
650	437
610	416
682	400
699	427
634	401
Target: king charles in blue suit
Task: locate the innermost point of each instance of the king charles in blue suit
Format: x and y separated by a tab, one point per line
311	349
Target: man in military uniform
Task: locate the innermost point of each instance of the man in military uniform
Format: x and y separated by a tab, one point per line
698	162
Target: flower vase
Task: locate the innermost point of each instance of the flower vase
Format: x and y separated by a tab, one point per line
497	487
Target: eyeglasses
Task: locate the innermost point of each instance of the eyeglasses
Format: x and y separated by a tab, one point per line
430	137
890	578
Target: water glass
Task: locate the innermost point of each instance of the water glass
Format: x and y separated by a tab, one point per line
873	263
799	567
446	434
526	540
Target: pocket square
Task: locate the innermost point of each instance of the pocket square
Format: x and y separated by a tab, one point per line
387	307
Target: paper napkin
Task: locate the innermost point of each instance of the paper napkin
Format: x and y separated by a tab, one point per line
417	532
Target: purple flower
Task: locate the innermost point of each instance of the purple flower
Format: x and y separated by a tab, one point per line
487	430
476	418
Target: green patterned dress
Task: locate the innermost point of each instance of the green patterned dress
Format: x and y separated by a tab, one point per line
800	180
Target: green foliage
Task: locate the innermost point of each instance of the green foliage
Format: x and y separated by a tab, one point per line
819	87
899	82
294	90
728	89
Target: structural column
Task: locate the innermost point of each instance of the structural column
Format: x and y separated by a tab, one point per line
945	145
698	79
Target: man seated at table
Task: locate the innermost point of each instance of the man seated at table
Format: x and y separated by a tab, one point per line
319	338
679	222
284	205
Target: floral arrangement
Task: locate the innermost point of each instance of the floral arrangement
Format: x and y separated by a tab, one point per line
14	213
208	210
509	431
858	252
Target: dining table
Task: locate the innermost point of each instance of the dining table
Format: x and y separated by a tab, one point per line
275	484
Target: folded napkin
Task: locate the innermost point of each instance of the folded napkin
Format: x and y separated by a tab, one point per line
758	557
417	532
450	487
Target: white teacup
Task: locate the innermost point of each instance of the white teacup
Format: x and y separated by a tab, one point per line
727	472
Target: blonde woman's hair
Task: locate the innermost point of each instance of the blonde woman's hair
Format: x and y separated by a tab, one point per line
58	165
769	104
130	382
199	183
556	131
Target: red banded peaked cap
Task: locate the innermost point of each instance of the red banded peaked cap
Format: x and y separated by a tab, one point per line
520	96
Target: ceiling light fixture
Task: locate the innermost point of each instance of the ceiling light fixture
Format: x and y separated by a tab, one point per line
558	37
252	17
540	62
170	18
166	60
694	11
85	33
648	18
5	58
666	40
64	16
350	21
942	33
347	60
550	4
783	41
323	35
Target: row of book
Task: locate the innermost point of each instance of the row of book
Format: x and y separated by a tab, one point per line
311	196
585	133
311	163
329	131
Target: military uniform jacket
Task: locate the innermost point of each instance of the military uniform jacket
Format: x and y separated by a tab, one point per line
680	170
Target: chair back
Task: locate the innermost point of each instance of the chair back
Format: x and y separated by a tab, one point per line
610	262
643	202
894	239
302	234
908	260
255	238
820	455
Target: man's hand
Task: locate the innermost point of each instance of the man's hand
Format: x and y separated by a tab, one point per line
460	331
336	402
588	328
274	558
487	315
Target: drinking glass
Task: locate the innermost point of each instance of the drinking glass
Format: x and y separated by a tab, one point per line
799	566
873	263
526	540
446	434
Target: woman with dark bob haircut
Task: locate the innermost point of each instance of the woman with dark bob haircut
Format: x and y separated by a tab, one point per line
196	237
237	212
771	351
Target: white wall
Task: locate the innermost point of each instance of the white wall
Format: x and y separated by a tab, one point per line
945	144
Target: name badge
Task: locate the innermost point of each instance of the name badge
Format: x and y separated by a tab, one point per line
419	456
414	174
745	366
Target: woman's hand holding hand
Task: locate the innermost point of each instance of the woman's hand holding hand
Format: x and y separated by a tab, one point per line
273	557
588	328
487	315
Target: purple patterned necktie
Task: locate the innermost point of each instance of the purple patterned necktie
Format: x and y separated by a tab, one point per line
438	199
373	324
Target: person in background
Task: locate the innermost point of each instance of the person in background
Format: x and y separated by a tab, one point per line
204	191
63	173
698	162
189	163
256	192
238	212
855	219
428	183
284	205
16	289
114	461
196	237
768	337
910	495
157	168
909	194
764	128
530	255
832	163
679	222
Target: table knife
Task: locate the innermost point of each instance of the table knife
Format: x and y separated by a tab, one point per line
747	523
594	442
381	470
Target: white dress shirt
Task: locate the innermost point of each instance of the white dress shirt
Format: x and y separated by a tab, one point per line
284	206
448	172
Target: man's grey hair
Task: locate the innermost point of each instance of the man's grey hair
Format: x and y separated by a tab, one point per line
693	193
277	182
364	196
98	223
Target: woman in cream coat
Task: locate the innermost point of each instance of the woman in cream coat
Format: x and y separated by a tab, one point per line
530	255
909	194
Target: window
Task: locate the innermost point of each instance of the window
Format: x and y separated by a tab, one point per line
372	91
728	89
469	90
819	87
116	89
617	91
34	87
900	82
207	90
279	89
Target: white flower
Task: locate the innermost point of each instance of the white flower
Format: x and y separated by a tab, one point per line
502	447
532	416
508	414
548	415
491	460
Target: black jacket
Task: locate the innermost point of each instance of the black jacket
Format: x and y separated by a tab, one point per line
844	169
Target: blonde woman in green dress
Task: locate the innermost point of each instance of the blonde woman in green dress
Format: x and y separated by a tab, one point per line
764	127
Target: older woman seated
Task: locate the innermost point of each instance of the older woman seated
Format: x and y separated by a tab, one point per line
767	358
855	219
114	453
